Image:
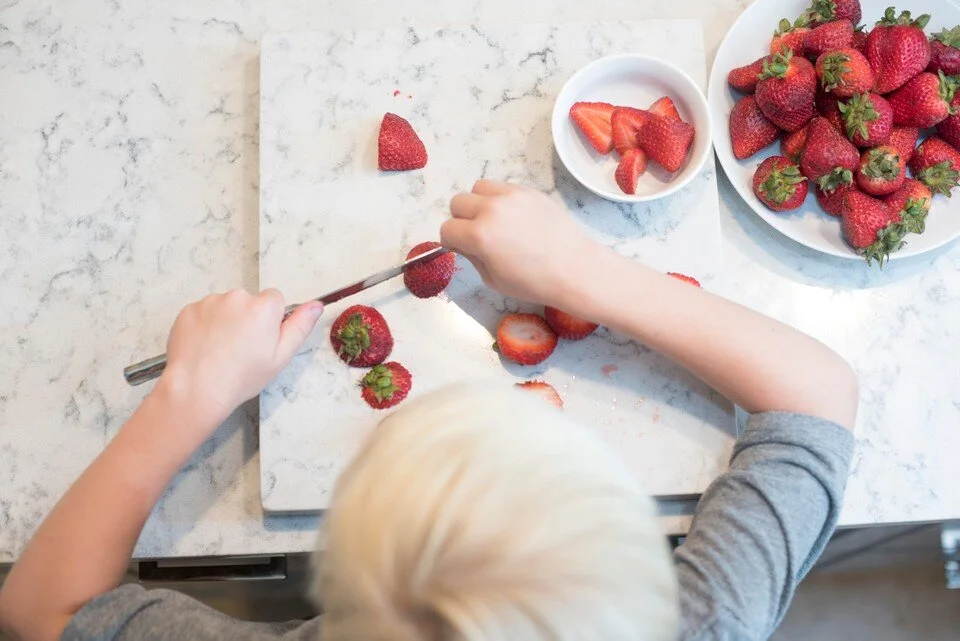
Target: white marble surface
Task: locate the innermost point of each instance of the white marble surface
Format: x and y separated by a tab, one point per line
328	217
128	185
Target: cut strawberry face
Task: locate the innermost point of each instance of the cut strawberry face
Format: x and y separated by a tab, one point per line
665	108
593	119
631	167
626	123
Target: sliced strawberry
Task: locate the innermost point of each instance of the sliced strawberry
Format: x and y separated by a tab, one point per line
546	390
664	107
566	325
525	338
631	167
593	119
666	141
684	278
626	123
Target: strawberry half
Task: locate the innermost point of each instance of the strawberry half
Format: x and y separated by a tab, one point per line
683	277
631	167
398	146
545	390
360	336
626	122
432	277
525	339
750	130
664	107
666	141
566	325
386	385
593	120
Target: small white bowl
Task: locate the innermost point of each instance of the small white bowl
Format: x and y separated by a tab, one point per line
629	80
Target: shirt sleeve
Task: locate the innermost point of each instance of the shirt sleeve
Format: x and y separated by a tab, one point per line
761	525
131	612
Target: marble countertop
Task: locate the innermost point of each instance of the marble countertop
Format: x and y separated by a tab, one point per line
128	186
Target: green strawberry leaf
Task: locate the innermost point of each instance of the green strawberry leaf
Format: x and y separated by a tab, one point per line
949	37
940	178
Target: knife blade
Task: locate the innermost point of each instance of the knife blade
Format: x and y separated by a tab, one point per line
151	368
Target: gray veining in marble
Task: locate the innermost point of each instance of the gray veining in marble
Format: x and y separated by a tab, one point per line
129	186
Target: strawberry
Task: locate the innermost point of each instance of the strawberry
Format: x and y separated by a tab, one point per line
881	171
792	144
949	127
829	36
937	165
786	90
546	390
828	106
779	184
593	119
687	279
432	277
870	227
913	197
867	119
360	336
744	79
666	141
945	52
398	146
904	140
897	49
790	36
625	123
750	131
859	41
831	200
844	72
823	11
525	338
924	101
567	326
664	107
826	152
386	385
630	168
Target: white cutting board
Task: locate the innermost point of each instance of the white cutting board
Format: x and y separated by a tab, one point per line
480	98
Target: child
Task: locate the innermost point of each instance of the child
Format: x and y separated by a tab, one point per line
476	513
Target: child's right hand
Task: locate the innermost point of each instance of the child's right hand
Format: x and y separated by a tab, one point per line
523	243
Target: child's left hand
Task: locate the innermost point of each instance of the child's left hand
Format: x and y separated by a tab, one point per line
224	349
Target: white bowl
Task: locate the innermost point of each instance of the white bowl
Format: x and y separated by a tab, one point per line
629	80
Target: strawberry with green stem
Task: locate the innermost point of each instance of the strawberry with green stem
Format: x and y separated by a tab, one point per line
827	153
786	90
822	11
360	336
945	52
790	36
386	385
924	101
897	49
913	201
937	165
867	119
871	227
831	200
779	184
881	171
844	72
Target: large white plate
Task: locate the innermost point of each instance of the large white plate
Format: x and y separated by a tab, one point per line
747	40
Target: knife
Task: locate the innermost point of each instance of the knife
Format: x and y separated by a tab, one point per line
151	368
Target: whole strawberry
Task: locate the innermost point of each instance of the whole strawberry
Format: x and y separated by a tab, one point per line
779	184
844	72
386	385
897	49
398	146
904	140
744	79
937	165
826	150
526	339
786	90
828	37
867	119
360	336
924	101
826	10
881	171
790	36
750	131
913	201
945	52
870	227
666	141
831	200
792	144
949	128
432	277
859	41
567	325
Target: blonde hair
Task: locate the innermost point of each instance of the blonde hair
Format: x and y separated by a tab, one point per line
481	513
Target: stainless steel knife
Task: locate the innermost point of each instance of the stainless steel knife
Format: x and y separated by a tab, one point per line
151	368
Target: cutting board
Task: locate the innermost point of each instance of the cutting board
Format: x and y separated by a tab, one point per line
480	98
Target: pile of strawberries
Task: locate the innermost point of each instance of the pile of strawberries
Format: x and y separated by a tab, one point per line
657	134
848	107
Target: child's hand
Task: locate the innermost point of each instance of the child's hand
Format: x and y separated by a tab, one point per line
523	243
225	348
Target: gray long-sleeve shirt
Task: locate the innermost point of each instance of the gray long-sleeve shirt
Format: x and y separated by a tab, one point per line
758	529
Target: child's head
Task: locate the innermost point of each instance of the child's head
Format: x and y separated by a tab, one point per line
482	513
